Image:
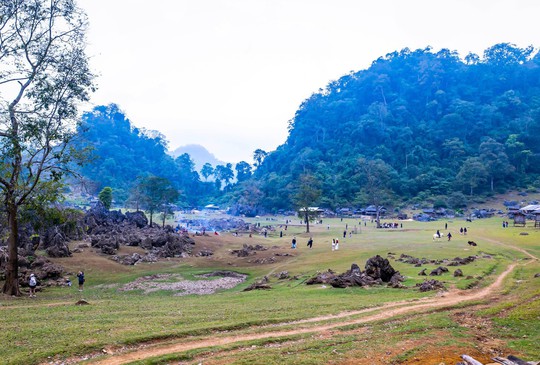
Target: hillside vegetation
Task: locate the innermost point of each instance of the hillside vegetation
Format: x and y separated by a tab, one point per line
440	124
441	129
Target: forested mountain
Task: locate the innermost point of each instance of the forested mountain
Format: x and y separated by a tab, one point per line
198	154
442	127
418	126
121	154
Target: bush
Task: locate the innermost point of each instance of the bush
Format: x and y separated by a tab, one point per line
439	203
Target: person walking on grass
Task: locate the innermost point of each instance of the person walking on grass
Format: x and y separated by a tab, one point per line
293	242
310	242
449	235
80	276
32	283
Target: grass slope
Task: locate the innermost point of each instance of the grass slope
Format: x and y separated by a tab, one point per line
52	327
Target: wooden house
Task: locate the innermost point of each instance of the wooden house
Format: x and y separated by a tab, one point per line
536	214
520	219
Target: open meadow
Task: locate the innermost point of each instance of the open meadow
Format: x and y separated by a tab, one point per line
494	309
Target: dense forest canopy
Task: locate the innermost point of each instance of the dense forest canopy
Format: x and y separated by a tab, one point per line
443	125
123	155
438	127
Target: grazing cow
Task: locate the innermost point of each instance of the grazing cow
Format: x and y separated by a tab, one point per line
471	243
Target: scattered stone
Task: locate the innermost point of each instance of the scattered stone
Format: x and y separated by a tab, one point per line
224	274
205	253
396	280
417	262
524	233
82	302
537	275
322	278
258	286
283	275
262	261
438	271
248	250
379	268
429	285
458	272
423	272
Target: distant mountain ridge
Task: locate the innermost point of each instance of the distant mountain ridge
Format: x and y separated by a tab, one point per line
199	154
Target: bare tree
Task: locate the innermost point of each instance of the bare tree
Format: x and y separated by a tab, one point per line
44	75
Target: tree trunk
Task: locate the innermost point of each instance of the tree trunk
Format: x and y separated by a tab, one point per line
307	220
378	218
151	215
11	286
492	183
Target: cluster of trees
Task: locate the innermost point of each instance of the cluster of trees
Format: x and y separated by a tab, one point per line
434	124
425	125
122	156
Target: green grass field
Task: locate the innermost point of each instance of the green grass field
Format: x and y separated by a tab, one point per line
51	328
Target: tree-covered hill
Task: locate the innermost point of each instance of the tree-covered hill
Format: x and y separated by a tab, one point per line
443	126
122	153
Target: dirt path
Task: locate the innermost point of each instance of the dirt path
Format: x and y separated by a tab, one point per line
383	312
523	251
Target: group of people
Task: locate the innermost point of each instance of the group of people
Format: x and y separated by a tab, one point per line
438	234
335	243
309	243
33	283
391	225
463	230
505	224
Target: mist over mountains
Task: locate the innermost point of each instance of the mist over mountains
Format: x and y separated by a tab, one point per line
199	154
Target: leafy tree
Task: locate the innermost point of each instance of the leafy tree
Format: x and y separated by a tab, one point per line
472	173
207	171
224	173
259	156
44	76
106	197
136	195
185	162
495	160
307	194
243	171
247	199
518	152
158	195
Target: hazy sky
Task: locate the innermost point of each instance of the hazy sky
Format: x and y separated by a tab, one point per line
230	74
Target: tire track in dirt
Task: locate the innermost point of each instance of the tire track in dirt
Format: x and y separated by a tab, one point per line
392	310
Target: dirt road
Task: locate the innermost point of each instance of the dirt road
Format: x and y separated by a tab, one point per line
383	312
